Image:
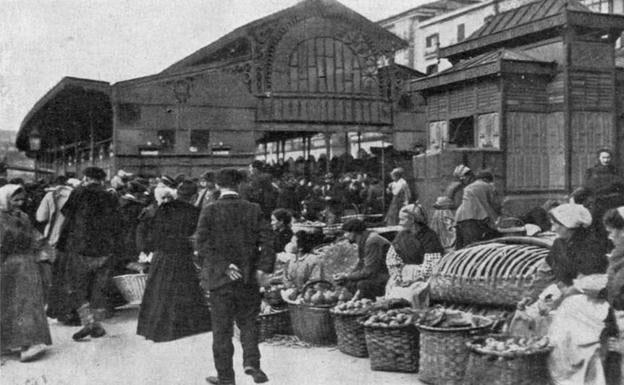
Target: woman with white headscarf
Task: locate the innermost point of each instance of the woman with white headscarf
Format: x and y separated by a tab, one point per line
407	256
24	326
578	320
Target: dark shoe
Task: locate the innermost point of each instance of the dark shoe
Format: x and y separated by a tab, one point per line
82	333
95	331
219	381
258	375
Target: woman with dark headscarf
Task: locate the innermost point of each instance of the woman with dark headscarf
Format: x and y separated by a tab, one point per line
406	255
173	304
24	326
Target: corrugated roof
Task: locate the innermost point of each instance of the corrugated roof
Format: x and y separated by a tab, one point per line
486	64
527	13
492	57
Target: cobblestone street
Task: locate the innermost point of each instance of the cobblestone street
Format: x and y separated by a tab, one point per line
122	357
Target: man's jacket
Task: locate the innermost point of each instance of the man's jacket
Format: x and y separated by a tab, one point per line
233	231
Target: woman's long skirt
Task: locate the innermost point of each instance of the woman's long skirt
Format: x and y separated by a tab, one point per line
174	305
22	313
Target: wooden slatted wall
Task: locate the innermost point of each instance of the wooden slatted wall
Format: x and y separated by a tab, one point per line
535	151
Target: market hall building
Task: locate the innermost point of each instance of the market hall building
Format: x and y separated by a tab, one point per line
531	95
308	69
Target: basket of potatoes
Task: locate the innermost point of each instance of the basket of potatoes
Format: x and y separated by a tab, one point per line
498	359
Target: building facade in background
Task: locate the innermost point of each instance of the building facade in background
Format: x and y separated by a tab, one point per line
439	24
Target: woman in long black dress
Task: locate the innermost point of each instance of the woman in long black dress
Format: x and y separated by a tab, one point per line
173	304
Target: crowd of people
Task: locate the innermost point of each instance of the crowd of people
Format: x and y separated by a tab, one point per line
221	234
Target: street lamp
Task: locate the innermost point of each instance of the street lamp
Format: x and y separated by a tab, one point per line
34	140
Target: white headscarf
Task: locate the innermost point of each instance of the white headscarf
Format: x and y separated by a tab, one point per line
161	192
6	192
572	215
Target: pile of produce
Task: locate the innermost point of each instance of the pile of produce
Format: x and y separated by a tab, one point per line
272	295
440	317
511	346
391	318
266	308
337	257
315	295
360	306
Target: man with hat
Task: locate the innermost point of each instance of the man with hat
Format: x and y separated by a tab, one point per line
370	275
259	189
87	244
480	208
208	192
235	243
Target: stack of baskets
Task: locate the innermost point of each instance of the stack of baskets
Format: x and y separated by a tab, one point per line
444	353
350	332
498	368
313	323
392	348
131	286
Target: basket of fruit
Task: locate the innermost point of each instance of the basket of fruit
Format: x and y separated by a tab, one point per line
443	337
392	340
506	360
349	330
309	313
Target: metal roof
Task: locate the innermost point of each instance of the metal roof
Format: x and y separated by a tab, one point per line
526	14
486	64
534	21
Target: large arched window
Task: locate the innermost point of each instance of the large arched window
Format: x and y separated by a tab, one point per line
326	65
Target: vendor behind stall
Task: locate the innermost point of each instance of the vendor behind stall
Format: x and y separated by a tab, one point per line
304	265
370	275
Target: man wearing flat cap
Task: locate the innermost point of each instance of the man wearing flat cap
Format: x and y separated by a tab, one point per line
89	240
235	243
259	189
370	275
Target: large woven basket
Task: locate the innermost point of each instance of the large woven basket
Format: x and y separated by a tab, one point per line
277	322
500	369
392	348
312	324
494	273
350	334
131	286
444	353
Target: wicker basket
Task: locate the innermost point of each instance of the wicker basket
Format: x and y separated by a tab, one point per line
444	354
131	286
350	333
312	324
392	348
492	273
500	369
270	324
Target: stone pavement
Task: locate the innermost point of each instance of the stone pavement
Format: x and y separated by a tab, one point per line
122	357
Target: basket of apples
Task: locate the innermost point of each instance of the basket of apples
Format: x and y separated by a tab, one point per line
392	339
309	313
498	359
349	331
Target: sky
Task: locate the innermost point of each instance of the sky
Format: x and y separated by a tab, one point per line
41	41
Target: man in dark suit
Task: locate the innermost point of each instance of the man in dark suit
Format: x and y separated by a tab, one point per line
235	244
